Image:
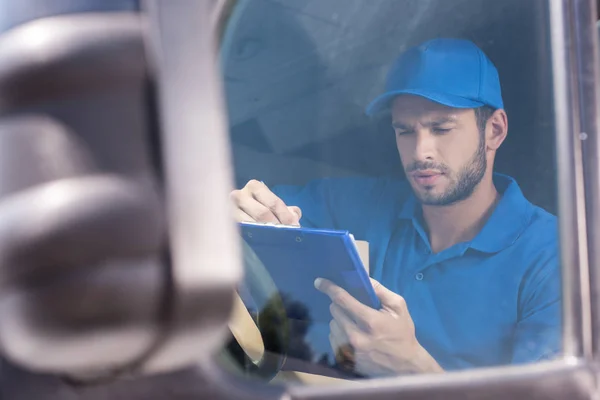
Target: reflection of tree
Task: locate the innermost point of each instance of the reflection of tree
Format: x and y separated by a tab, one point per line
324	360
272	320
284	324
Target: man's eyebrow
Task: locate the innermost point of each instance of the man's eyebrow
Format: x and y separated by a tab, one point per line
400	125
434	122
440	121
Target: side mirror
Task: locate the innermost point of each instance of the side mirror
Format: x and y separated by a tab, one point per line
107	269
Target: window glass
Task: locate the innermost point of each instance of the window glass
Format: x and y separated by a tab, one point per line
413	139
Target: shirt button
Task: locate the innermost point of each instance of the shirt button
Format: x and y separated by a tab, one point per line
419	276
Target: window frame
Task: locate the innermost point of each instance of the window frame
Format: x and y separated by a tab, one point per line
574	48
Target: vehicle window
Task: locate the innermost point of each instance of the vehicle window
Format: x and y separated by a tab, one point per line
420	129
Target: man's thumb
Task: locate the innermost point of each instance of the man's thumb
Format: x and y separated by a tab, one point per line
388	298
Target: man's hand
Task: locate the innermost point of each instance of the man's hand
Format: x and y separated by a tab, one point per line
376	342
256	203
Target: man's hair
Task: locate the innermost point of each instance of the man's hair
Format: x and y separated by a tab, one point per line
482	115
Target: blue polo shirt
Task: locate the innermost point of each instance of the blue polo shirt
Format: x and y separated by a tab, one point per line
494	300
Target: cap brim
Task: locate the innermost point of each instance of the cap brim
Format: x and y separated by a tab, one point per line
383	102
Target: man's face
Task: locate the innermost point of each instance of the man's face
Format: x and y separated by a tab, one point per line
442	150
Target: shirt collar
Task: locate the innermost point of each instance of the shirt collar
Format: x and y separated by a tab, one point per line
509	219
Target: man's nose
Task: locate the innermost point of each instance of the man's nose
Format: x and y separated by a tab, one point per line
424	145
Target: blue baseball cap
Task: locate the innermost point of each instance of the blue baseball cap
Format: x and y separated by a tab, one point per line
452	72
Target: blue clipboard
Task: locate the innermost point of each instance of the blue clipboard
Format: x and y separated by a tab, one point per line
294	257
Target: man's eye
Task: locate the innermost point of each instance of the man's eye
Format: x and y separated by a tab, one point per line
441	131
402	133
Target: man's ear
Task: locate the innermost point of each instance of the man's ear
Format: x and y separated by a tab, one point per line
496	129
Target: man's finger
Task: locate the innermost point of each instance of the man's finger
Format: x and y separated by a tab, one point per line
338	332
345	358
389	299
257	211
268	199
241	216
349	331
334	342
342	349
357	310
296	210
342	320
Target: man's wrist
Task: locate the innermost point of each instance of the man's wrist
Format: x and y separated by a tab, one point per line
424	362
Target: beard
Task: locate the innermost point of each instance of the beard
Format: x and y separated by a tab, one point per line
462	184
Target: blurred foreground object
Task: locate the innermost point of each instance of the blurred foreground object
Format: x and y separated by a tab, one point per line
101	274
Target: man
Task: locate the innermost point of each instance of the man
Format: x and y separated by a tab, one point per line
466	268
